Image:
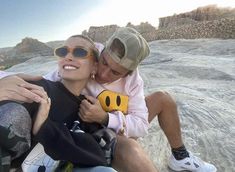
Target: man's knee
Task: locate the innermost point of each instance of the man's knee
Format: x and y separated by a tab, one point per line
127	147
158	102
164	98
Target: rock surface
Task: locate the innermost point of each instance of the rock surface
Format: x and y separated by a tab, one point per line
200	75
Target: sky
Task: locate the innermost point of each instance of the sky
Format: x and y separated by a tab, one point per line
50	20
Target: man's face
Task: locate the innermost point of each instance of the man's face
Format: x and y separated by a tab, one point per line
108	70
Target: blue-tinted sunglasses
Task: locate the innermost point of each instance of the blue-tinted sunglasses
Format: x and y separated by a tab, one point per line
78	52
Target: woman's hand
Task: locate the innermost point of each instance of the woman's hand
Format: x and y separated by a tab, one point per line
42	115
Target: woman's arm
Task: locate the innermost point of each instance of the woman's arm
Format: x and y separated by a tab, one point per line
16	89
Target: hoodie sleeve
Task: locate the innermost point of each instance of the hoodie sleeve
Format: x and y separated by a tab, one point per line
4	74
61	144
135	122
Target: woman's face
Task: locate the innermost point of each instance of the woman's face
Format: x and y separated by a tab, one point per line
77	68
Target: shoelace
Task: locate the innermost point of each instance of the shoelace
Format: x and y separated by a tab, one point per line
197	162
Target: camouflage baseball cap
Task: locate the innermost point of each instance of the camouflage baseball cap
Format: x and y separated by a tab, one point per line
135	47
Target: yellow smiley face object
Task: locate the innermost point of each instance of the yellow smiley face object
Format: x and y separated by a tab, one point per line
112	101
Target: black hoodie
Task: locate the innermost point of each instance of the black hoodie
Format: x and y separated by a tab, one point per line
55	135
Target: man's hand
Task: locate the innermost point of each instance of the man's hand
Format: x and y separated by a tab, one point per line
16	89
91	111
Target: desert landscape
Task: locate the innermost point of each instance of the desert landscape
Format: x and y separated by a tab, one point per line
199	72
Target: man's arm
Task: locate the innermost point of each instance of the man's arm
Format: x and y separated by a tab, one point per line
134	123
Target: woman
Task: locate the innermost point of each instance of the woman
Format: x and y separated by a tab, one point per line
56	115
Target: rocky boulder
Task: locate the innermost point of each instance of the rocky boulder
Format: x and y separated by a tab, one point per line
26	49
100	34
207	13
30	45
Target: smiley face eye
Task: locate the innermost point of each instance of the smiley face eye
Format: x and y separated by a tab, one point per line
107	101
118	100
111	101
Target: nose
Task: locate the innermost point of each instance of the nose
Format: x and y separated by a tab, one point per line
69	56
105	73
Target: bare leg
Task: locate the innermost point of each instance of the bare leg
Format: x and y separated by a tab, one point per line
161	104
129	157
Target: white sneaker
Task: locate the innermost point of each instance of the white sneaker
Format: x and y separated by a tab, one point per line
38	160
191	163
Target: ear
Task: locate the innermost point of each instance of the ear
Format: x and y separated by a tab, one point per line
95	67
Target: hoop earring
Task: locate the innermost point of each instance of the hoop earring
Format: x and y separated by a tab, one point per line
59	74
93	76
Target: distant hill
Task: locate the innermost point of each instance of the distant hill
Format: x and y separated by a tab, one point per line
30	45
204	22
2	50
26	49
206	13
55	44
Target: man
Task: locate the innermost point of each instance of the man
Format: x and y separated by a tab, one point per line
117	72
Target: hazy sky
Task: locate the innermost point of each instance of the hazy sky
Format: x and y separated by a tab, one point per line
49	20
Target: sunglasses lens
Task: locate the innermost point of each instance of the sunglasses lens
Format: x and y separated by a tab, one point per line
79	52
61	52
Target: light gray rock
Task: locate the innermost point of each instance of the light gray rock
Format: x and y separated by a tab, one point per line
200	75
36	66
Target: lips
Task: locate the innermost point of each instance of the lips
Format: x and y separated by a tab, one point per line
70	67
